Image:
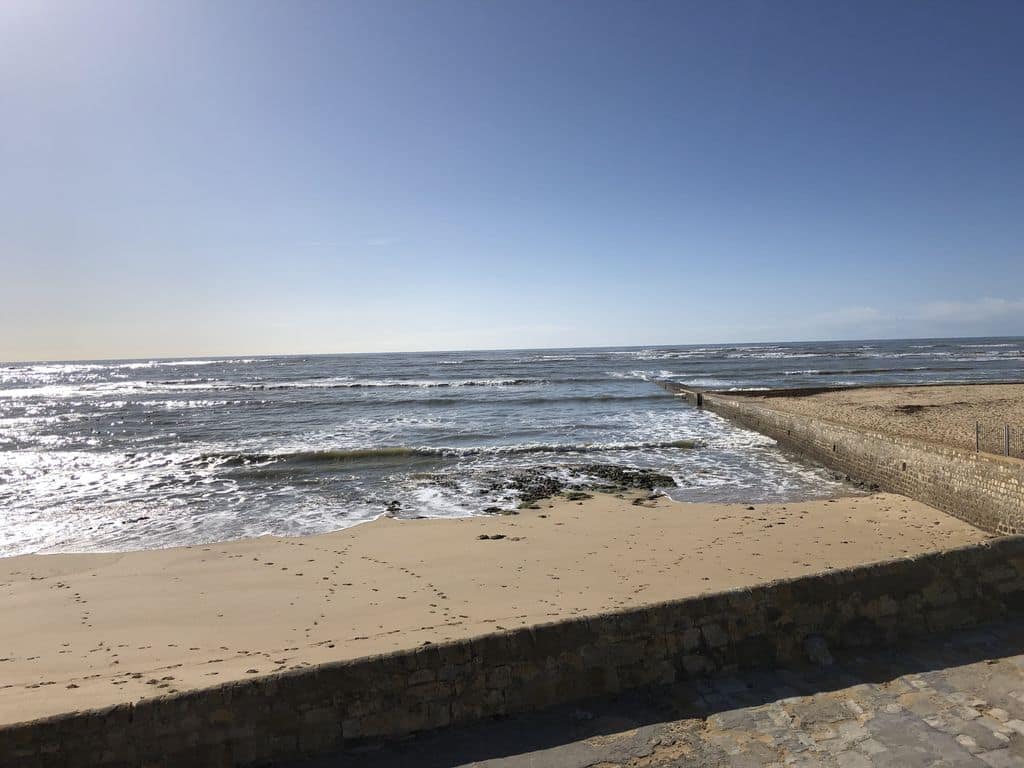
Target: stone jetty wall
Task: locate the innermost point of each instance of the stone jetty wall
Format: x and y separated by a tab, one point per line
982	489
322	709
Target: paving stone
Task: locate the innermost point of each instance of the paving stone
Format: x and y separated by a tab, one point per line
819	710
801	762
778	715
828	746
968	743
852	760
986	738
996	726
1001	758
871	747
735	718
755	756
851	730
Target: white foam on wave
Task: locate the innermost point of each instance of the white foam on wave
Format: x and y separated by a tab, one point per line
436	501
107	389
705	381
546	359
350	382
775	355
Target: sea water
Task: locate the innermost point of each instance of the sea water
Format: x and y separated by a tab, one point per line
109	455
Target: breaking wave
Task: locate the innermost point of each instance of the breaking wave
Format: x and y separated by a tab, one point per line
350	455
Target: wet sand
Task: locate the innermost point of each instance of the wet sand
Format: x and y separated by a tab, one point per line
84	631
940	414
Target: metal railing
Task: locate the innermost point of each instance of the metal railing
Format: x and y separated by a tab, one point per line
1002	439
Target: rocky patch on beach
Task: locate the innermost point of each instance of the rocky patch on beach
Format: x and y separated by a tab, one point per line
626	478
525	487
503	492
542	482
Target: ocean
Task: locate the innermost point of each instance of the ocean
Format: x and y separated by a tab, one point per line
114	455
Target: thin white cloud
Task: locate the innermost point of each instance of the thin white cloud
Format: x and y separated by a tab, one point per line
985	316
851	316
982	310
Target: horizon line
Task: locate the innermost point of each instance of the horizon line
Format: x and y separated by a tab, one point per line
50	361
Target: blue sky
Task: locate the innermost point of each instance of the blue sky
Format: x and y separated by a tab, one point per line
186	178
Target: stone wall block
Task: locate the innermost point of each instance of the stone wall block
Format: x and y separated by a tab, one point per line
714	636
696	664
491	650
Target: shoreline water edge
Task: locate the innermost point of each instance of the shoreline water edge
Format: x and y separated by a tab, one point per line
117	456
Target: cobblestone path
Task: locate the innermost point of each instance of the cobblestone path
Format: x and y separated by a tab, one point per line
951	701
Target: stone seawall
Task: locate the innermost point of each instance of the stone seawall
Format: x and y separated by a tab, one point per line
325	708
982	489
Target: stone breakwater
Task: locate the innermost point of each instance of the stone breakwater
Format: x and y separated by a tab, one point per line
984	490
332	706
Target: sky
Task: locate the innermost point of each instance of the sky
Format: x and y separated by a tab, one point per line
181	178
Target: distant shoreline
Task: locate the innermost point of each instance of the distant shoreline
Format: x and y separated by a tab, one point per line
400	353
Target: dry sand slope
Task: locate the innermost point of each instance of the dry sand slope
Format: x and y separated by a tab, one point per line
940	414
90	630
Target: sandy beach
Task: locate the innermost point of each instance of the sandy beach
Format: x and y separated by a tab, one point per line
940	414
86	631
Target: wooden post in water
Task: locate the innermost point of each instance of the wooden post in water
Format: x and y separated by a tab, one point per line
977	436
